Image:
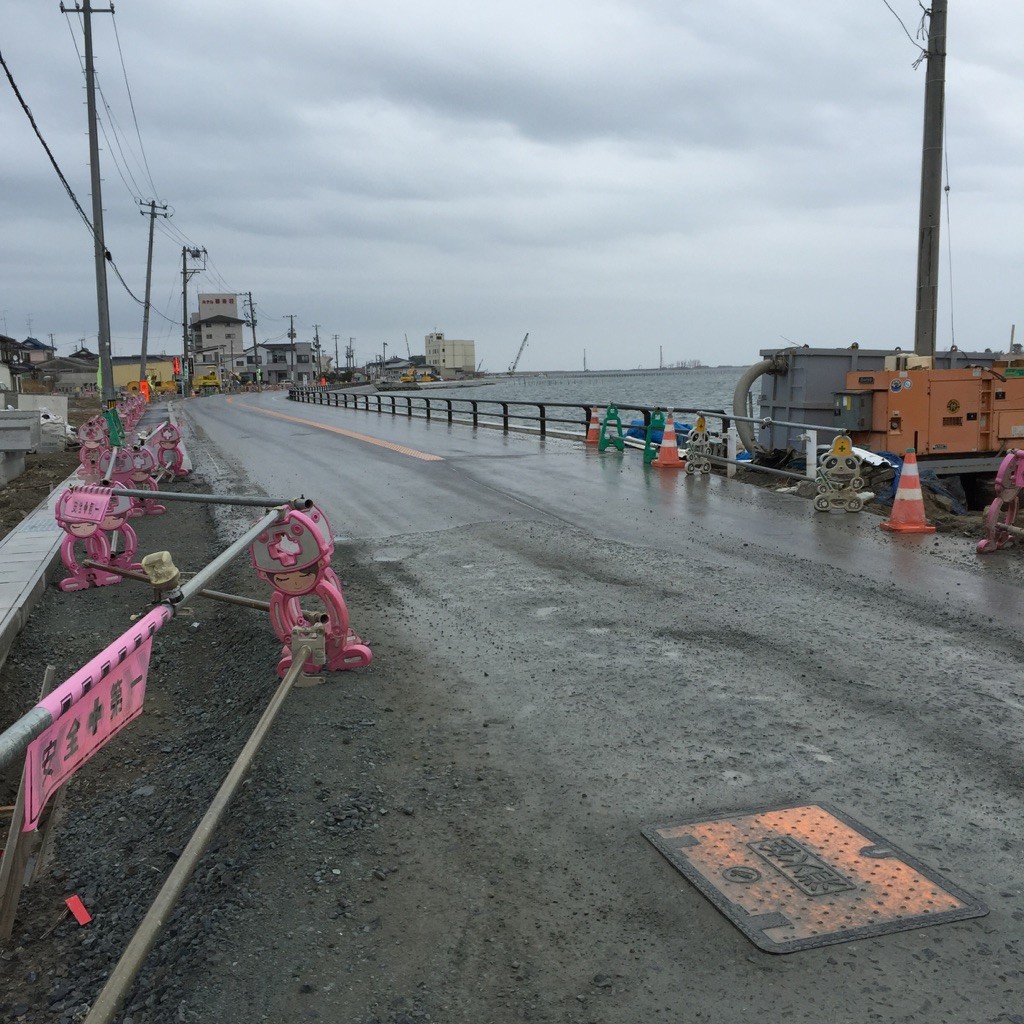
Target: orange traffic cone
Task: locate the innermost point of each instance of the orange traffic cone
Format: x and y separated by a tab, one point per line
668	453
594	430
908	505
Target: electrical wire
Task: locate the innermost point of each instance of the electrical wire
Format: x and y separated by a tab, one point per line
924	53
131	102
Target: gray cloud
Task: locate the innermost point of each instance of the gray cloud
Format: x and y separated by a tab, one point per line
702	176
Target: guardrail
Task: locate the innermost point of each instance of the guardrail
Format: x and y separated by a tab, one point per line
498	414
547	417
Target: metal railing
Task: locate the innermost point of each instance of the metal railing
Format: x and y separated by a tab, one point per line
543	418
508	416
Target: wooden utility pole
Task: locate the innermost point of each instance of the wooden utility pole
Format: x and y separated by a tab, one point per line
931	185
99	247
152	204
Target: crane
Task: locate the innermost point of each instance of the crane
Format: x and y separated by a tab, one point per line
408	350
519	354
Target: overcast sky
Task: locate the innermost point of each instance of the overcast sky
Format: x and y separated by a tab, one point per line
711	177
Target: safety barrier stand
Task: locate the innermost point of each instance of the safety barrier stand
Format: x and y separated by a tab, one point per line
611	419
1008	483
839	478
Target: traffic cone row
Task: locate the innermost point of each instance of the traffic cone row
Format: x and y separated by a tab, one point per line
908	505
668	454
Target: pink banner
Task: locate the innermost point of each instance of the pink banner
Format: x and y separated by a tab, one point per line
87	678
98	715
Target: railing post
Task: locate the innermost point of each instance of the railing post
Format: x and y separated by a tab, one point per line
392	405
811	449
476	412
426	405
732	447
543	420
408	404
504	416
448	402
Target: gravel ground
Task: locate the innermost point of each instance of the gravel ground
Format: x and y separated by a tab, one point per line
387	861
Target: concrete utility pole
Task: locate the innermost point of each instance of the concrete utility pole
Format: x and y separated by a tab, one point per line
350	355
291	338
152	204
186	273
99	248
931	185
258	373
336	367
316	347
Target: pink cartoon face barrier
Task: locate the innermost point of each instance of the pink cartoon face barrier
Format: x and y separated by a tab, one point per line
170	452
294	557
81	513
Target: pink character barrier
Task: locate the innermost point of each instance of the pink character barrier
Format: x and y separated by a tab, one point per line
1008	483
81	514
294	557
116	521
92	436
170	452
143	477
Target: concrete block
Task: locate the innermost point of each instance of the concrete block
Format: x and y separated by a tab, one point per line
20	430
12	465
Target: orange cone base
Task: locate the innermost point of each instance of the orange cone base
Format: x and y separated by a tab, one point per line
906	527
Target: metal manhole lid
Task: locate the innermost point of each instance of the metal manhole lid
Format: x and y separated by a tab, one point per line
796	877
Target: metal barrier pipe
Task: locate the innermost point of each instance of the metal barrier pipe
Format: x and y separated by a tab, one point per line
756	468
114	993
213	595
216	499
220	563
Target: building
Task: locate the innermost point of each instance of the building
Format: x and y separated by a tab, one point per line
287	360
450	357
217	337
33	351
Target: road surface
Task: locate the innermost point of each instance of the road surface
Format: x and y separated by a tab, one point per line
570	647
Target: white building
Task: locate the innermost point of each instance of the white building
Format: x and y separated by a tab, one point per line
217	331
449	356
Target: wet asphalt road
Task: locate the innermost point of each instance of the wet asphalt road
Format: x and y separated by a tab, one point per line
651	648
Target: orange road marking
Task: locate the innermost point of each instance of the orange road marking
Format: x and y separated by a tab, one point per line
390	445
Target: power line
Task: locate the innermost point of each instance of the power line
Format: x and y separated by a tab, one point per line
131	102
923	52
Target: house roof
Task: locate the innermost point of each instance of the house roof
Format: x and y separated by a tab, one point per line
217	318
35	344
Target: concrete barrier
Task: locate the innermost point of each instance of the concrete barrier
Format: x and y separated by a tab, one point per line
19	433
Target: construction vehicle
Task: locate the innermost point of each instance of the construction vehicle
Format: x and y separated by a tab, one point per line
207	384
519	354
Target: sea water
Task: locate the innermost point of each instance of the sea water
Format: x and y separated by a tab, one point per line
704	388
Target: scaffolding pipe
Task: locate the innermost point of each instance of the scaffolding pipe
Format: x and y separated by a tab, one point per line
254	500
112	997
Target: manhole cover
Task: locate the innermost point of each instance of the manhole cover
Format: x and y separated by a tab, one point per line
794	878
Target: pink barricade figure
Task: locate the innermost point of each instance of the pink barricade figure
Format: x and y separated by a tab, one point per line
117	466
294	557
170	454
1008	483
81	513
116	521
93	437
142	475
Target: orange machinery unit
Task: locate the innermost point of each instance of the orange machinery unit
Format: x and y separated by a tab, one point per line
939	412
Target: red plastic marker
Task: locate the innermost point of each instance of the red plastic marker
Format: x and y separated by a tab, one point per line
77	907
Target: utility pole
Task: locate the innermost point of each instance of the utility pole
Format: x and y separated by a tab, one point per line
152	204
258	374
186	273
99	248
350	355
383	360
316	347
291	338
931	185
336	367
